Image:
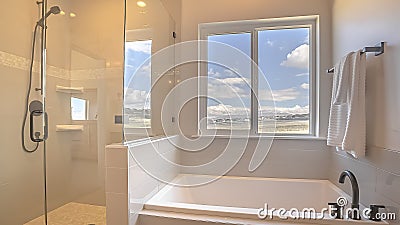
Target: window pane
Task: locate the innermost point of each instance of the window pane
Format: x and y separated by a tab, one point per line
229	98
78	109
284	60
137	84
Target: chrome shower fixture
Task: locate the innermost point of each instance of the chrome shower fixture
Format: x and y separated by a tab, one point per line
53	10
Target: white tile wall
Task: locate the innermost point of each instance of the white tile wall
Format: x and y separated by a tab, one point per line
377	185
117	180
117	157
308	159
128	186
117	185
388	185
117	208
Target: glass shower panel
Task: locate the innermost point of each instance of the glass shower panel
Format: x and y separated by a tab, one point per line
21	173
149	29
83	96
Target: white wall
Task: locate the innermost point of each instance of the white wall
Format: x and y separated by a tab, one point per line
298	159
356	24
307	157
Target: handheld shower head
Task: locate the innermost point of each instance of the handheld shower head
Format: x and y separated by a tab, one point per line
53	10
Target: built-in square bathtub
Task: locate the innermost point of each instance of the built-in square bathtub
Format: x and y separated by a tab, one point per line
243	197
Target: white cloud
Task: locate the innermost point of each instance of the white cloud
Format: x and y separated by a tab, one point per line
302	74
236	81
222	110
270	43
305	86
139	46
136	99
292	110
298	58
146	69
225	110
280	95
297	109
220	91
307	39
213	73
227	88
223	74
229	73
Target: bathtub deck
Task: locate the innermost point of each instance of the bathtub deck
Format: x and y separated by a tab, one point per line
204	204
152	217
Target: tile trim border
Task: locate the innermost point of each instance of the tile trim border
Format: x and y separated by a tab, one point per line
22	63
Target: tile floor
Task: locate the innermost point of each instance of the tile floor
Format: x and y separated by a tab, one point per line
74	214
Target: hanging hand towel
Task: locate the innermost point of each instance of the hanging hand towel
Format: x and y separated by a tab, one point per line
347	129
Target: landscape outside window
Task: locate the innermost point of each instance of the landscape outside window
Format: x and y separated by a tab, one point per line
137	85
283	58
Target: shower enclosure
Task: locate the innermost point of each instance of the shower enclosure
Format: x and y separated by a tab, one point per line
78	83
81	90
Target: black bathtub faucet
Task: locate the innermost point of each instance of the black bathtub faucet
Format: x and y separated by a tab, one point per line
355	203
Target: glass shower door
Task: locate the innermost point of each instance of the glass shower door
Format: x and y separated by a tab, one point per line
83	97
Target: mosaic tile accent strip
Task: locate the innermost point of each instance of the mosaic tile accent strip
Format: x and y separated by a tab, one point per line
94	74
14	61
22	63
87	74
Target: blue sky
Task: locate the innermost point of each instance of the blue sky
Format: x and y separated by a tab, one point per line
284	72
283	58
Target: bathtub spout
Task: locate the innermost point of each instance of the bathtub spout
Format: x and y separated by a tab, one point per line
355	203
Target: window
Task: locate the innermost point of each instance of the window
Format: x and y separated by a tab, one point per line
241	98
137	84
225	110
78	109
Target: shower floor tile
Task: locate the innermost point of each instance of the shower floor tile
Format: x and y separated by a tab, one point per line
74	214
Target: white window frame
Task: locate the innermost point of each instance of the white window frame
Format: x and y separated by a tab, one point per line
253	26
132	36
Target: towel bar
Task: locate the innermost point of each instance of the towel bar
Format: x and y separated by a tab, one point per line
379	49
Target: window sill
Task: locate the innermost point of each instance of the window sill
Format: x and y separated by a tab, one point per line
263	137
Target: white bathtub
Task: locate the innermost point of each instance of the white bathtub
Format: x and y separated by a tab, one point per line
242	197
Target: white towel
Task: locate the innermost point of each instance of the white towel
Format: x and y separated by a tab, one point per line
347	120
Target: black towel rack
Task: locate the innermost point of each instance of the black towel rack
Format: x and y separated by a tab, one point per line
379	49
